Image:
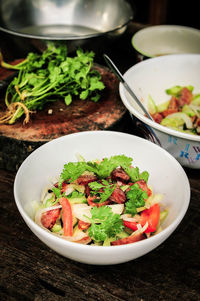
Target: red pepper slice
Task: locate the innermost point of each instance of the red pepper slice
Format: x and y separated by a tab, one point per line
67	216
152	216
130	225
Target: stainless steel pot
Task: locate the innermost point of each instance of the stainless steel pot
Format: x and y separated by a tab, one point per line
85	23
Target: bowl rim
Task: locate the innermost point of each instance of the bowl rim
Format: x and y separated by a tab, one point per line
157	28
107	249
145	119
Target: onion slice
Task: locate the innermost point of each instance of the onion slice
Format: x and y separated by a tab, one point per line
183	116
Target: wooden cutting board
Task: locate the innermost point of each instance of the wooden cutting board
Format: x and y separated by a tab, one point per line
57	119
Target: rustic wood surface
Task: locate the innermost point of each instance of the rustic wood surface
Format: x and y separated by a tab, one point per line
32	271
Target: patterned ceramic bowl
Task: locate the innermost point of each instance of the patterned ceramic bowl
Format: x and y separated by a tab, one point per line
153	77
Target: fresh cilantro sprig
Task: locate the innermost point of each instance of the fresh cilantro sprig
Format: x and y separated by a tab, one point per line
102	190
136	199
135	174
107	165
104	223
103	169
72	171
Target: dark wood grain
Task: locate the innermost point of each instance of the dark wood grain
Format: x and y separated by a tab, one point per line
32	271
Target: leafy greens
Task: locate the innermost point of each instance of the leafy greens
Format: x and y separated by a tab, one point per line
48	77
136	199
104	223
103	169
102	190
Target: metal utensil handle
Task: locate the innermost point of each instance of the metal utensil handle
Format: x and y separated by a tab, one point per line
127	87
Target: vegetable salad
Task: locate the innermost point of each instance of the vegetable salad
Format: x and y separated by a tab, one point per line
103	203
181	112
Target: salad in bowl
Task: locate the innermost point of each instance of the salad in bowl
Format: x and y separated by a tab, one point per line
119	200
104	203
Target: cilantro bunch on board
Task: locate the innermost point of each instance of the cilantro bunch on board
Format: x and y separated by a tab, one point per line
48	77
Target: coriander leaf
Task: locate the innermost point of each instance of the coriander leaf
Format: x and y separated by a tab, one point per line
68	99
72	171
95	83
57	192
136	198
84	94
102	190
104	223
108	165
95	97
144	176
133	173
95	186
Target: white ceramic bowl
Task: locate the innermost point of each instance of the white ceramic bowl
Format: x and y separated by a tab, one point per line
153	77
48	161
166	39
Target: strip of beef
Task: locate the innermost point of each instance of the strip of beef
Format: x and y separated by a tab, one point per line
158	117
143	185
85	179
48	219
118	174
185	97
118	196
172	108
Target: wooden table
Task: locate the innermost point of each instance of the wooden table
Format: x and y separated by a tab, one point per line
32	271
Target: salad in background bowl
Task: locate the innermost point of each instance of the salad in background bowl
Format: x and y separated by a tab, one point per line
152	78
181	112
110	238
